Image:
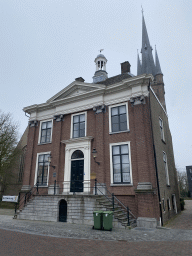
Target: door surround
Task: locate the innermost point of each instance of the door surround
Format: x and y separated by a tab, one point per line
71	145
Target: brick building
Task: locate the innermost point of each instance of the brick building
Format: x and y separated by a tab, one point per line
123	120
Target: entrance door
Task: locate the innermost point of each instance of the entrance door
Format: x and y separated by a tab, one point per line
77	169
63	211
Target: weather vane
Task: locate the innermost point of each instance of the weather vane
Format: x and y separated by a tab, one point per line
101	50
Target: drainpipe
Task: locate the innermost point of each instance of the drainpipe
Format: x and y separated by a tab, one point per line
155	158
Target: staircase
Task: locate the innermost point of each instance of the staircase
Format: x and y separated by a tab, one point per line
120	213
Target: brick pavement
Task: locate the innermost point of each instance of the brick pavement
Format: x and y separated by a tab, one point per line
184	219
20	244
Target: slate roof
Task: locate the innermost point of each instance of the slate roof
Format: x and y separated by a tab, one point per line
115	79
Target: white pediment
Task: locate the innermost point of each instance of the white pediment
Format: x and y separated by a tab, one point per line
74	89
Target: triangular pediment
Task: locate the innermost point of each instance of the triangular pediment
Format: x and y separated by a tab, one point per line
75	89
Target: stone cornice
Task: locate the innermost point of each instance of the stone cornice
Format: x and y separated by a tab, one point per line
97	90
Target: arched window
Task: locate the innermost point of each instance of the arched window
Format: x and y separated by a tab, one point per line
77	154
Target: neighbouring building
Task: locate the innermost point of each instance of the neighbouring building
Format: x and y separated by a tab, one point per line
189	178
114	130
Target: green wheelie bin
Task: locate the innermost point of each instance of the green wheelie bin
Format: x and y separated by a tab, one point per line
108	220
98	219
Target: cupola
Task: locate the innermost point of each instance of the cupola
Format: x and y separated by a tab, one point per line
100	73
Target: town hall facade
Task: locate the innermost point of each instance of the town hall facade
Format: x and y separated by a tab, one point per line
107	137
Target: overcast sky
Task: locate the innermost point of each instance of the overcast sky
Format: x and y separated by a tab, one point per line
46	44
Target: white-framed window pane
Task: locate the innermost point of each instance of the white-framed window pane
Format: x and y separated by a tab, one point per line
43	139
82	118
124	149
114	111
49	124
117	168
76	127
126	177
82	126
125	167
123	126
115	127
44	125
123	118
76	134
115	119
125	159
116	150
122	110
116	160
82	133
76	119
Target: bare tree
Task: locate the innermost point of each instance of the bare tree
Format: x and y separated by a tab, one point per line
182	182
9	152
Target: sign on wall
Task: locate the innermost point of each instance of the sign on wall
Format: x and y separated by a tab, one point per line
13	199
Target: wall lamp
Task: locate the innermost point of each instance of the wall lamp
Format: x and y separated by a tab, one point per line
94	153
49	160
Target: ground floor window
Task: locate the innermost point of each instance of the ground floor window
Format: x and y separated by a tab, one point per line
120	163
42	169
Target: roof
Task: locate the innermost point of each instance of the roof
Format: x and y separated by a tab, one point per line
115	79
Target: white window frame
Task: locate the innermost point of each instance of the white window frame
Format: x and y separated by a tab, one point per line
111	163
39	140
110	123
162	129
36	169
175	203
77	114
166	169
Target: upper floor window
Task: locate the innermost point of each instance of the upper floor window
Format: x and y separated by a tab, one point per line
45	132
120	163
166	168
161	129
118	120
79	125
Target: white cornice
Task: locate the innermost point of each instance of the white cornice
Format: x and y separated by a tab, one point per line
98	90
76	140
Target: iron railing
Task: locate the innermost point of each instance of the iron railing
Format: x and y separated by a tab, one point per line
59	187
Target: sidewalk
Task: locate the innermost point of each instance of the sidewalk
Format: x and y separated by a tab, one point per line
184	219
180	229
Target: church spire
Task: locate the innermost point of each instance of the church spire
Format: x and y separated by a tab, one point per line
157	64
148	65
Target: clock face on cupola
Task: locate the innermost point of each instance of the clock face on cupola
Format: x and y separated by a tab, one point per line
100	73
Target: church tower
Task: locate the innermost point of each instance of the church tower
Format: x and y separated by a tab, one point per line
100	73
148	66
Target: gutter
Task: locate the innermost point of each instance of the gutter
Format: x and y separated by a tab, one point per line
149	87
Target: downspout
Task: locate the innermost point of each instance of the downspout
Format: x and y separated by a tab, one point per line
155	157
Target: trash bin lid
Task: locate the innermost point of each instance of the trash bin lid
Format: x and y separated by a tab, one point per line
97	212
108	212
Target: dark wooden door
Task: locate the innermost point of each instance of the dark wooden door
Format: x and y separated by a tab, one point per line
63	211
77	171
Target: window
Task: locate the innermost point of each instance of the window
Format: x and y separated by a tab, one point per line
118	120
161	129
120	164
46	132
163	204
42	169
166	168
168	204
79	125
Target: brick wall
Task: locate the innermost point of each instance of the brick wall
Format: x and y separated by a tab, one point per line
160	146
